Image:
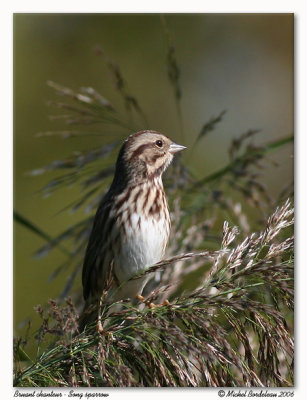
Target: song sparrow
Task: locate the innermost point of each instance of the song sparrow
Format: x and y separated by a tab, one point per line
132	224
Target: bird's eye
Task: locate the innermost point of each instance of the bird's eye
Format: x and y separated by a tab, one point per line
159	143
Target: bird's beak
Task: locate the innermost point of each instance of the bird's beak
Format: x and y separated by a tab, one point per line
175	148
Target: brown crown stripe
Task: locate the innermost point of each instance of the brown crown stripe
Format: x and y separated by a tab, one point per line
139	133
134	135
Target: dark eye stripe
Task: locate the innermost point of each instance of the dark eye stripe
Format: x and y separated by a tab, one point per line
139	150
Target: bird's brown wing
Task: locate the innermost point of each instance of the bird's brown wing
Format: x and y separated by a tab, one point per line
99	254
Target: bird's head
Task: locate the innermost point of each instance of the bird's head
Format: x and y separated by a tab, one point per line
147	154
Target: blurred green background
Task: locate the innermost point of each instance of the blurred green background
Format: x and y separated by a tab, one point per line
239	62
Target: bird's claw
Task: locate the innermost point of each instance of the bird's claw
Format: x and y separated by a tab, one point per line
150	304
165	303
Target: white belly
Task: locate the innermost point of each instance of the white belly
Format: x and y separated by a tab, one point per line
142	246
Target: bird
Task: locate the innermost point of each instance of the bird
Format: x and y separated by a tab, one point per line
132	224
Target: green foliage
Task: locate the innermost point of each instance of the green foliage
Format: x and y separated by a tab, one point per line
230	331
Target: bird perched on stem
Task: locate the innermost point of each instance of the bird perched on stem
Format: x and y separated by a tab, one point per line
132	224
